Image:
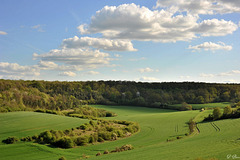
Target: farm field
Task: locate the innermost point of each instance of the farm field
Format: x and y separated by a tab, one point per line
207	105
214	140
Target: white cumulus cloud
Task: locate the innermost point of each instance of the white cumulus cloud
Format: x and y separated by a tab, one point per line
93	73
48	65
222	74
143	70
215	27
140	24
211	46
14	70
82	58
202	6
149	79
98	43
158	25
68	74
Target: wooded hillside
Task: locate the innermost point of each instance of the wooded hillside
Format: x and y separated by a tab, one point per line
20	95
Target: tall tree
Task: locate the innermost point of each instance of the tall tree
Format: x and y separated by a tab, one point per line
217	113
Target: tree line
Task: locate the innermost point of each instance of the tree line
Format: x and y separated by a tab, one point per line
85	112
228	113
54	95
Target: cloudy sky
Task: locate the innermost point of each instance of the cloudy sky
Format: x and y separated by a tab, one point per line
151	40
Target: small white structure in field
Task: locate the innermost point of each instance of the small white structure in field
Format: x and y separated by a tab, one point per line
138	94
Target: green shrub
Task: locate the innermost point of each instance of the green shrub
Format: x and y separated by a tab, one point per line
35	137
98	154
27	139
3	110
191	125
47	136
117	149
62	158
10	140
83	127
185	107
127	147
129	129
217	113
64	142
119	133
106	152
114	136
105	135
100	139
123	148
40	140
92	123
109	128
81	141
92	139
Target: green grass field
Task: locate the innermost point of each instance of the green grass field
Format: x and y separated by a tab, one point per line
150	143
207	105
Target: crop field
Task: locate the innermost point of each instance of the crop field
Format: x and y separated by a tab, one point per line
207	105
217	139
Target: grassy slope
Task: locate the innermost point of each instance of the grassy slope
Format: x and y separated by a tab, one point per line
209	143
207	105
21	124
156	126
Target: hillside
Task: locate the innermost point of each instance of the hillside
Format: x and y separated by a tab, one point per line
150	143
18	95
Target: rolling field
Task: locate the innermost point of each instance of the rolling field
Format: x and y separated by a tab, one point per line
22	124
214	140
207	105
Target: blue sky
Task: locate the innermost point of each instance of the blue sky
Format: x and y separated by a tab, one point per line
153	40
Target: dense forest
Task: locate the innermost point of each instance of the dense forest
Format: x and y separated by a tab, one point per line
22	95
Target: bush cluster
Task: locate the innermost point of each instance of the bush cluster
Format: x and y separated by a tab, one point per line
117	149
191	125
92	132
185	107
123	148
10	140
